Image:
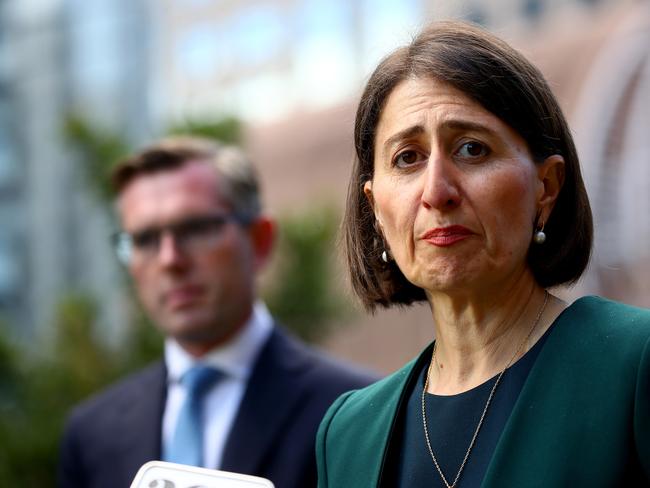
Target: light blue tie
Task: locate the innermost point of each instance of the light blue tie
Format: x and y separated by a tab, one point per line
186	446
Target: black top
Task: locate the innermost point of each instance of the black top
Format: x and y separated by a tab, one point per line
452	421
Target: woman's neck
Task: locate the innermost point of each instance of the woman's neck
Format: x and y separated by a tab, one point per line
477	339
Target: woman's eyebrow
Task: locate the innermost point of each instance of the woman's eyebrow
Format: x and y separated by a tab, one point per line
466	125
407	133
451	124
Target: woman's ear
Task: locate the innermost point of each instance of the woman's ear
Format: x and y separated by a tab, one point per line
550	176
367	190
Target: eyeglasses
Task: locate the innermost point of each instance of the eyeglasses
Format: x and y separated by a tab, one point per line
191	235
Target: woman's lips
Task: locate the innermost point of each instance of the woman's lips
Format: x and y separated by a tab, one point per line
446	236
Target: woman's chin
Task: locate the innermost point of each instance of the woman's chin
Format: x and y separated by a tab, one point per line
444	284
443	278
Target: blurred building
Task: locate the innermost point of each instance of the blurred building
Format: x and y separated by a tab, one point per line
266	60
601	77
58	57
611	118
292	70
13	262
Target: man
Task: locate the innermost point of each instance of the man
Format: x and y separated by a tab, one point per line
194	238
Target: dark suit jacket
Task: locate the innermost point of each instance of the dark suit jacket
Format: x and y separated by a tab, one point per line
110	436
582	418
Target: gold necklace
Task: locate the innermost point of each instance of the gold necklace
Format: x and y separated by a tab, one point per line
485	409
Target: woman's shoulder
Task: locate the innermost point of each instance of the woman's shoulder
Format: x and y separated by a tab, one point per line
356	419
380	392
355	430
376	400
603	330
610	317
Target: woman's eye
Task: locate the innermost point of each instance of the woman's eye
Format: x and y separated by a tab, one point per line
406	158
472	149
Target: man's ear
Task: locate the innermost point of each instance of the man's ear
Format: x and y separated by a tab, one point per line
550	176
262	231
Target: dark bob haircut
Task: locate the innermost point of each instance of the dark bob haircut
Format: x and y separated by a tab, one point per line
500	79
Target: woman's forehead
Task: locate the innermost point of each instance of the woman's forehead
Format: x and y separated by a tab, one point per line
420	102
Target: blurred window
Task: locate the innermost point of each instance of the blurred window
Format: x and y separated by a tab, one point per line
200	52
533	9
387	24
9	264
6	55
324	18
35	10
183	4
97	33
248	39
324	52
8	165
257	35
264	97
476	15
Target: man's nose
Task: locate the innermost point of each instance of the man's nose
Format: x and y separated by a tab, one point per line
440	190
170	250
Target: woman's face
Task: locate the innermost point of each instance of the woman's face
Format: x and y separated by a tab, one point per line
455	190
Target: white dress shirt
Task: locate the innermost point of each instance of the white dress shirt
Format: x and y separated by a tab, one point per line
235	360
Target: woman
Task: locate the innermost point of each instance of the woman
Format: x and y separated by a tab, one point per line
467	193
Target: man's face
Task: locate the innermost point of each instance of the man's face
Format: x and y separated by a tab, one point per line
198	282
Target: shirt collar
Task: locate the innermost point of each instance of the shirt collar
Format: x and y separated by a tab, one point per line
235	358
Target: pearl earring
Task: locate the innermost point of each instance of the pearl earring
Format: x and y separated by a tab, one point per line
540	236
384	256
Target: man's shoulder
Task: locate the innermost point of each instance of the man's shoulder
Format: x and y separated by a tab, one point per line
109	435
121	393
313	367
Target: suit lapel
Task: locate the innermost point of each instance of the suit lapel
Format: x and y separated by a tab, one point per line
272	392
141	419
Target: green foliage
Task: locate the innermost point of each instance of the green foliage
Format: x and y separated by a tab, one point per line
11	397
226	129
39	385
38	388
143	343
303	295
99	149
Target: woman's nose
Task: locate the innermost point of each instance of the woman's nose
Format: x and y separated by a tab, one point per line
440	190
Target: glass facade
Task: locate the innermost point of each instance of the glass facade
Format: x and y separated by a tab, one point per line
265	59
12	248
59	57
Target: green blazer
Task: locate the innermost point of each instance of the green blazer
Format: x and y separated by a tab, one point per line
582	418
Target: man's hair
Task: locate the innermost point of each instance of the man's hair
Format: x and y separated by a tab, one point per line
500	79
240	185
